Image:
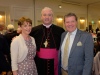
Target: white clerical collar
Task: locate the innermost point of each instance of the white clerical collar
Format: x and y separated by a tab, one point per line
47	26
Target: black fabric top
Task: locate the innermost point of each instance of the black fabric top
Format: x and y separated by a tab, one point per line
52	34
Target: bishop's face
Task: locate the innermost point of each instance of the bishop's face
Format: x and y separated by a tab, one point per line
47	17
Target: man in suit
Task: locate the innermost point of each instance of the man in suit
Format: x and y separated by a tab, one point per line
80	49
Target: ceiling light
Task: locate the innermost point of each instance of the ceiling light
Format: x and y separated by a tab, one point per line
60	6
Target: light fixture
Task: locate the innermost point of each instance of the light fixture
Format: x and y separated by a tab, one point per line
82	23
99	21
0	16
60	6
82	20
59	19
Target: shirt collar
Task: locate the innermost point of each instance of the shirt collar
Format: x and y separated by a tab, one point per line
74	32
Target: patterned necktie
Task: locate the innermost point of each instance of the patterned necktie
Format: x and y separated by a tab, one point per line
65	56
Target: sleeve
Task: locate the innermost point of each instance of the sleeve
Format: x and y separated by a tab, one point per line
33	41
88	47
14	54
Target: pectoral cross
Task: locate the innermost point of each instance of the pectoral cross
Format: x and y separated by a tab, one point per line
46	43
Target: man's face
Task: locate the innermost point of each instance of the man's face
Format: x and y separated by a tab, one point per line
47	17
70	23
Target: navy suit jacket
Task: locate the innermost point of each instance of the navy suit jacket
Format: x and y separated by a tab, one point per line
81	57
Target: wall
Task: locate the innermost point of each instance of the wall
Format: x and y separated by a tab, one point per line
80	11
94	15
7	13
32	8
15	9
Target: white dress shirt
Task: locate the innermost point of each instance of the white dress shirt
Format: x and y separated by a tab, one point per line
72	36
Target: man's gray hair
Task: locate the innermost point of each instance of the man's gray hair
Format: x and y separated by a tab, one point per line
47	8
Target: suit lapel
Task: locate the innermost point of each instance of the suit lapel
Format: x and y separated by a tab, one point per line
77	37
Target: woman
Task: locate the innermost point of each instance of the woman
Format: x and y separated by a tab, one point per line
23	50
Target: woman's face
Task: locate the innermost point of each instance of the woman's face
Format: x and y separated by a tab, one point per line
26	28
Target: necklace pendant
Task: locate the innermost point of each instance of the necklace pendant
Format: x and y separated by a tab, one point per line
46	43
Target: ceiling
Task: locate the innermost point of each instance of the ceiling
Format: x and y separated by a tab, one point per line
83	2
